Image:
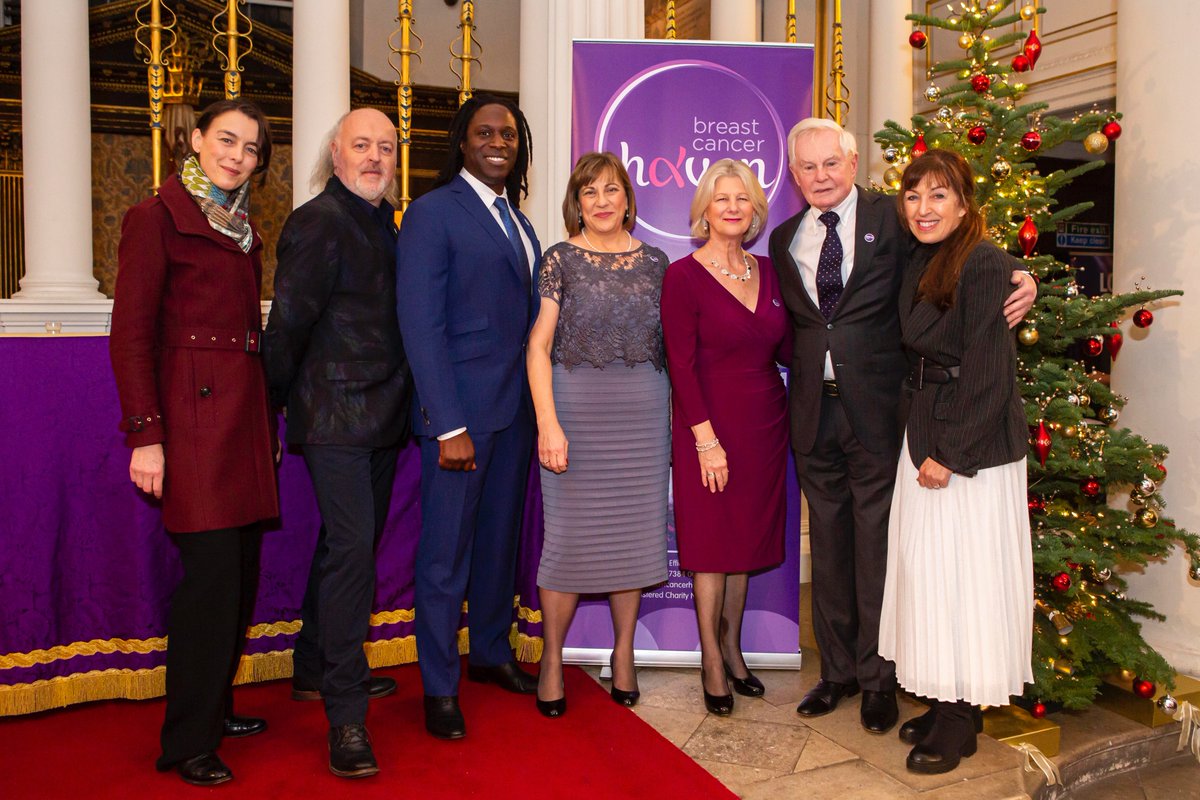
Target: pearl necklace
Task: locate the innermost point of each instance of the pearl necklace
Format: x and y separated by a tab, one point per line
743	277
628	243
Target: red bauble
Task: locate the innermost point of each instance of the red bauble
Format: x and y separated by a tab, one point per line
1032	48
1161	468
1111	130
1114	341
1072	565
1027	236
1031	141
1041	442
1093	346
980	83
1038	710
1036	504
1144	689
919	148
977	135
1061	581
1020	62
1090	487
918	39
1142	318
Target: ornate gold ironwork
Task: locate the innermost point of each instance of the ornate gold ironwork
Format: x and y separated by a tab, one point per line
404	91
790	24
465	56
837	95
671	29
182	61
228	51
149	37
820	59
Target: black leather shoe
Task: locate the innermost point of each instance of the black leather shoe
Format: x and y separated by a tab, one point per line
236	727
376	687
928	759
879	711
719	704
552	708
206	769
350	754
507	676
443	718
917	728
620	696
951	738
823	698
748	686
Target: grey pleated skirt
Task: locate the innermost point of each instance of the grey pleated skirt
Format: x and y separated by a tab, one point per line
606	516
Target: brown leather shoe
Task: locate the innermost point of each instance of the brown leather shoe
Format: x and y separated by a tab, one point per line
350	754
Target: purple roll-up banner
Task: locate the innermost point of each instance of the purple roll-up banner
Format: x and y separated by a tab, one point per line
668	110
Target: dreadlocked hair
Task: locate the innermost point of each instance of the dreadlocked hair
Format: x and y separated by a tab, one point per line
517	183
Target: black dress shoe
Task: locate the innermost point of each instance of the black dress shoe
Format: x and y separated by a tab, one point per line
236	727
620	696
206	769
951	738
824	697
350	754
376	687
507	676
443	718
917	728
748	686
879	711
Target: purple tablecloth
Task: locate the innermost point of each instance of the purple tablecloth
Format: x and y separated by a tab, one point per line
86	570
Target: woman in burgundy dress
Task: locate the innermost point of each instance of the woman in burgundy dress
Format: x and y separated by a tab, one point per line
724	326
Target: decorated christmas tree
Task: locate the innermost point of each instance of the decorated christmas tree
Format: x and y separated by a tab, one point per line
1094	502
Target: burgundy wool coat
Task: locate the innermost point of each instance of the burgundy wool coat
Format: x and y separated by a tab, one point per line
186	329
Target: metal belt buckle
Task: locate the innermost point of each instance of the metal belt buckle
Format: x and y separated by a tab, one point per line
251	343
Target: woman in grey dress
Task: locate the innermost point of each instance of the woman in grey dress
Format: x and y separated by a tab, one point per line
597	374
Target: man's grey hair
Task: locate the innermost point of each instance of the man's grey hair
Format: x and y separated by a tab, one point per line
806	127
323	169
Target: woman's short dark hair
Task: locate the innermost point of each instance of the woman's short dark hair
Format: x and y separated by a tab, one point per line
251	110
588	168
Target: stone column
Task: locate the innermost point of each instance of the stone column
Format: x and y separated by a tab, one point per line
735	21
1156	238
57	153
320	82
890	77
546	91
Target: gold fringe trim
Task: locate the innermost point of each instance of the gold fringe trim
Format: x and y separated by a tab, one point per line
528	648
82	687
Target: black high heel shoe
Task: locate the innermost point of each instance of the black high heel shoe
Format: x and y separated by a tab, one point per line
719	704
748	686
620	696
552	708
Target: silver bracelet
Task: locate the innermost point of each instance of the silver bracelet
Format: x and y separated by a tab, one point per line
704	447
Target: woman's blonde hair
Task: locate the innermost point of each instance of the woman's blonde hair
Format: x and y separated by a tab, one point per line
727	168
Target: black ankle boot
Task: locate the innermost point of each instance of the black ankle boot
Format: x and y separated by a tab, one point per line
917	728
951	738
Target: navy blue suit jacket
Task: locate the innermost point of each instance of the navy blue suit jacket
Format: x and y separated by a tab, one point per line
466	306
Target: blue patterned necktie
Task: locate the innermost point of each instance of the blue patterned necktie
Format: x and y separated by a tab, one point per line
514	237
829	266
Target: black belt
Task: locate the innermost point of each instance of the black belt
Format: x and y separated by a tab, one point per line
829	388
925	371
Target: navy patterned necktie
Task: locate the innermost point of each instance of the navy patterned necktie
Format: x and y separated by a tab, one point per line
829	266
510	227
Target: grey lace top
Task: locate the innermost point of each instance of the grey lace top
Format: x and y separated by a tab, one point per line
608	305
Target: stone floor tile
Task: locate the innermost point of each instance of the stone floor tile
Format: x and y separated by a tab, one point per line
820	752
676	689
1125	786
1005	785
850	780
1176	779
752	744
737	777
675	726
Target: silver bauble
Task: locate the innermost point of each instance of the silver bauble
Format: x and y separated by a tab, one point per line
1108	415
890	154
1072	290
1146	486
933	93
944	114
1103	574
1168	704
1194	572
1073	399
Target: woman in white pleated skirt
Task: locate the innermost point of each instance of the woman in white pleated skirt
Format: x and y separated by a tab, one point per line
957	612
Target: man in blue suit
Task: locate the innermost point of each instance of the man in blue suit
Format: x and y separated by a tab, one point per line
466	282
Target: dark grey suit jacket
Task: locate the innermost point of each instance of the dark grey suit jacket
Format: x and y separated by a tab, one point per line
976	421
863	336
332	347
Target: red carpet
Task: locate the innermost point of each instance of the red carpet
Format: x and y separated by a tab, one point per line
598	750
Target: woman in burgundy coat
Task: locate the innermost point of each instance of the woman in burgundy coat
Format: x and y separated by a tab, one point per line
184	345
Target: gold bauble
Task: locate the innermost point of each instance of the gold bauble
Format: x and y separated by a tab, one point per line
993	7
1095	143
1070	431
892	177
932	93
965	41
1146	517
1028	12
1028	336
1001	169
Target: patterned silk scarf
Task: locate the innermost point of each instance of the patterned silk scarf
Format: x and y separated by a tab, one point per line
227	213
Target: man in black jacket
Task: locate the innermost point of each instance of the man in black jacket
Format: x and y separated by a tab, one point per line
334	357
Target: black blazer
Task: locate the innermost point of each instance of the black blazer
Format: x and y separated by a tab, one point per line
332	347
863	336
977	420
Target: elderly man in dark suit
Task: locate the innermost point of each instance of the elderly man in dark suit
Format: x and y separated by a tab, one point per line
334	357
466	282
840	264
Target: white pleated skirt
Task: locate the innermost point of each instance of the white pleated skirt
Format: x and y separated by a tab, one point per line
958	599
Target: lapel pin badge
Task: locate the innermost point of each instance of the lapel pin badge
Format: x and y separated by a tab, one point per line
775	300
870	237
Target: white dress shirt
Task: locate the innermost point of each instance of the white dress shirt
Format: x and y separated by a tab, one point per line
806	250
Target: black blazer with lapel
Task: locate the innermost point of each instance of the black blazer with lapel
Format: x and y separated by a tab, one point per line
976	421
332	347
862	337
